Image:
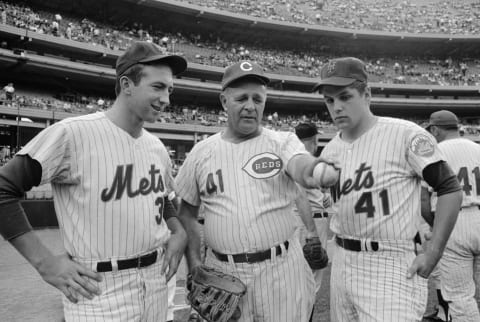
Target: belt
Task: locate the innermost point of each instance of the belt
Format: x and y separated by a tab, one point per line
356	245
320	215
142	261
250	257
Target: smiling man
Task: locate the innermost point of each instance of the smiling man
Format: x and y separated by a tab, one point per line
110	180
376	273
245	178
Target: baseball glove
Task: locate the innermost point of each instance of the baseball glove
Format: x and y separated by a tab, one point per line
215	295
315	254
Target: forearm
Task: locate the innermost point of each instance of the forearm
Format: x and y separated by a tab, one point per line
175	226
188	217
446	214
299	167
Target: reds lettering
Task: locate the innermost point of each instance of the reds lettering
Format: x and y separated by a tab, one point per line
363	180
123	180
266	164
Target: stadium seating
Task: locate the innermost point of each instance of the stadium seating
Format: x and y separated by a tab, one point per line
218	52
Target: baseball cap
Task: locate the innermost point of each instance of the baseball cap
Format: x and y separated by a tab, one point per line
342	72
243	69
147	52
442	117
305	130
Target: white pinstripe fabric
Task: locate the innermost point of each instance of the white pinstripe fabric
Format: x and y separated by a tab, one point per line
460	263
81	156
251	214
127	295
246	214
372	286
278	290
385	148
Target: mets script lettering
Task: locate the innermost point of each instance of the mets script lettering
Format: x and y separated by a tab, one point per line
123	181
363	180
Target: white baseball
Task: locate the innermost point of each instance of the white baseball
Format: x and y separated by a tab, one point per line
325	174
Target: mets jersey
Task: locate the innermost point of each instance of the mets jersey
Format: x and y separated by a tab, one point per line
108	187
463	156
378	194
245	189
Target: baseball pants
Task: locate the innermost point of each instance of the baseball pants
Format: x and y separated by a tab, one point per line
460	266
280	289
136	294
372	286
322	230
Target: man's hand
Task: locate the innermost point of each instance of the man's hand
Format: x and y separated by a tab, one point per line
174	252
71	278
309	179
423	264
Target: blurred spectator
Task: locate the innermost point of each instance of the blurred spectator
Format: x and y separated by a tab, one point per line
9	91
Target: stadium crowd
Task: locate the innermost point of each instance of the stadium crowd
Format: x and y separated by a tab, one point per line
215	51
426	16
186	114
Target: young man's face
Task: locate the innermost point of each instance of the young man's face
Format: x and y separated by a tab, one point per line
346	105
152	93
244	104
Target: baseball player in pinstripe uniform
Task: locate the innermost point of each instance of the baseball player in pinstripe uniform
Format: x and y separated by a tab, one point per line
110	180
246	178
461	260
318	202
376	274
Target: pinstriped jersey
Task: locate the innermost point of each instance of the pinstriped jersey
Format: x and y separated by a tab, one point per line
244	188
378	194
463	156
108	187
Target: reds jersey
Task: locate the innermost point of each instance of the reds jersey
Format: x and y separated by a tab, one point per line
246	192
108	187
463	156
378	194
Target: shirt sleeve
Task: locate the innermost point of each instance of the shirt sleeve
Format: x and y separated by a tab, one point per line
19	175
51	149
186	181
421	150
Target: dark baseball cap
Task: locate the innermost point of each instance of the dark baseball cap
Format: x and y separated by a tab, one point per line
241	70
306	130
147	52
442	118
342	72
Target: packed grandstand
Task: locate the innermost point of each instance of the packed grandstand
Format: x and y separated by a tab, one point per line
36	36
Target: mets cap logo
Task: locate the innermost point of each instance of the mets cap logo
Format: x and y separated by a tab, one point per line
263	165
422	145
331	67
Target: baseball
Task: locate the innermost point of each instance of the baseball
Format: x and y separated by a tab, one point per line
325	174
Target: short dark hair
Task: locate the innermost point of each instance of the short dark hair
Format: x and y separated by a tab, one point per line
135	73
